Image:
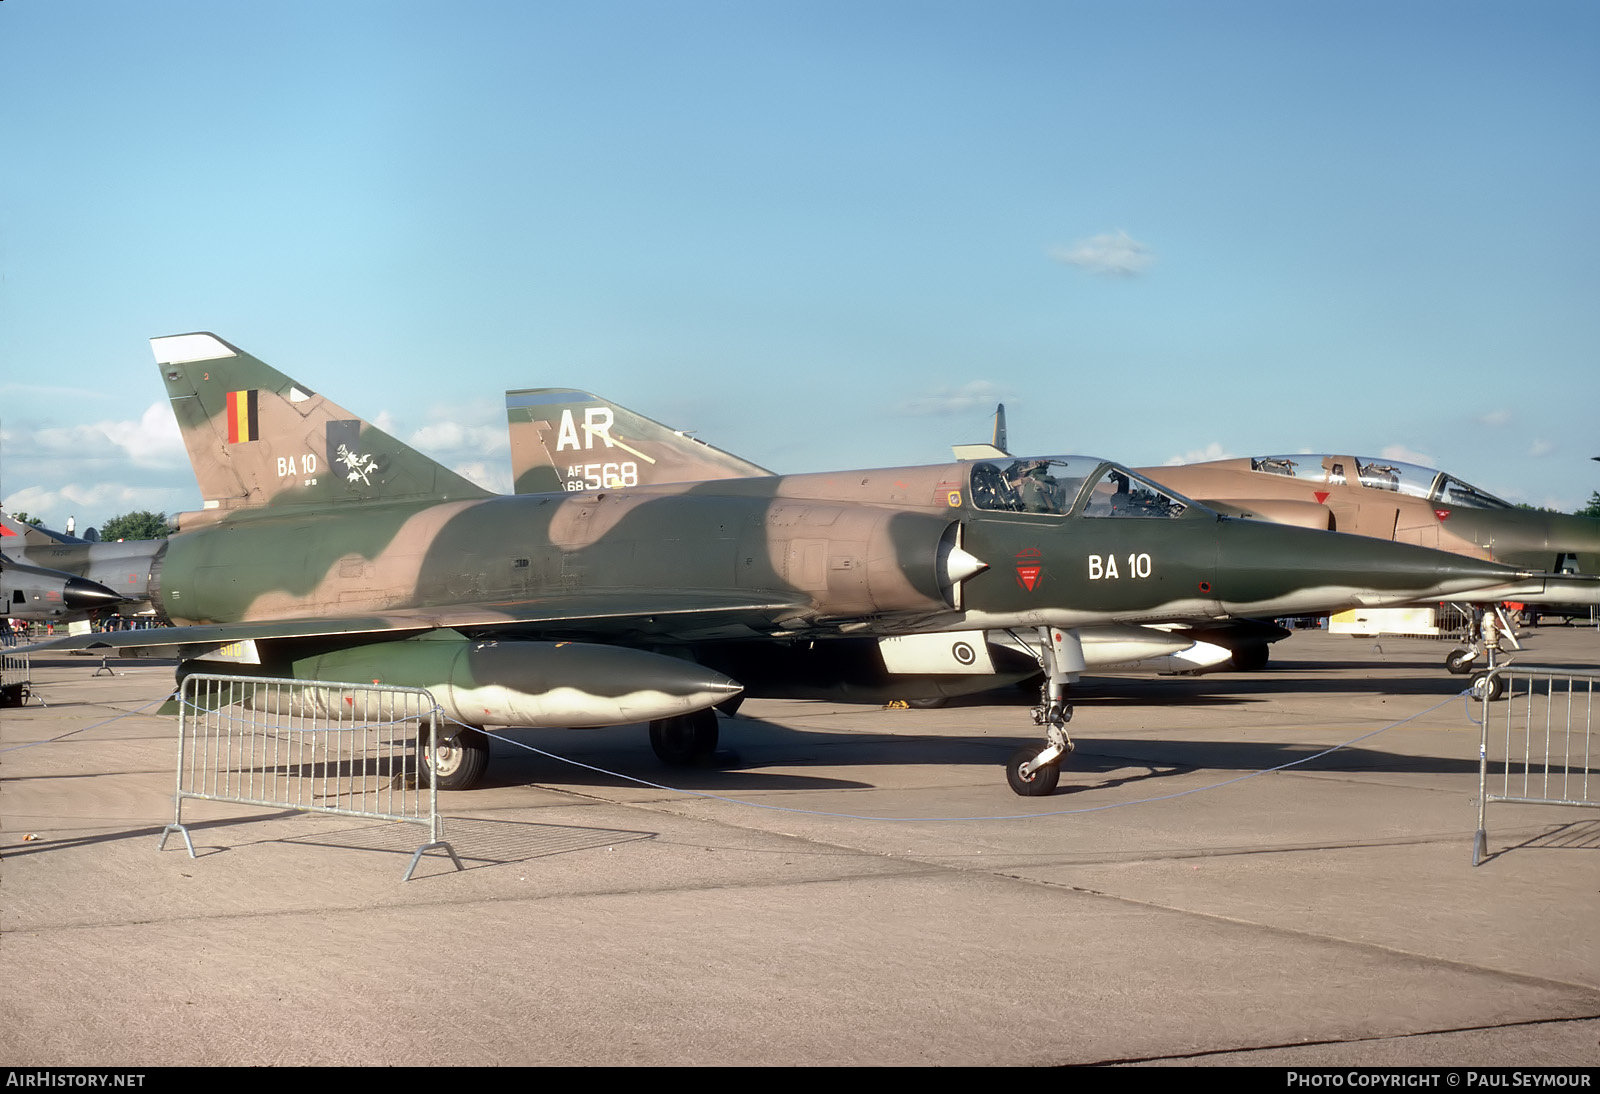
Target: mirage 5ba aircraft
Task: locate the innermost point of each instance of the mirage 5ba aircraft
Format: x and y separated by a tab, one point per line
564	439
330	551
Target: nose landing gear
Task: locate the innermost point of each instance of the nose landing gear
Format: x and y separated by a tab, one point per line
1034	772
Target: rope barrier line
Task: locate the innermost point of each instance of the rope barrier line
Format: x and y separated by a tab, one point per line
1467	695
1001	817
84	729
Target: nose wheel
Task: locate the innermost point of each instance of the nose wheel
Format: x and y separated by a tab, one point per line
1029	778
1034	772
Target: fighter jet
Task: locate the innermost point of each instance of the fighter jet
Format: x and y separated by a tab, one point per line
329	551
40	595
124	568
1393	500
567	439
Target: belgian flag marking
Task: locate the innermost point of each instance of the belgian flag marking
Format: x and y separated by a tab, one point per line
242	422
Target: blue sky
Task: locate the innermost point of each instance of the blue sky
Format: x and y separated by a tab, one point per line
820	234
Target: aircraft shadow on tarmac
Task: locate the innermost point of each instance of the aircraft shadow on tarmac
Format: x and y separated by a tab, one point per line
1101	762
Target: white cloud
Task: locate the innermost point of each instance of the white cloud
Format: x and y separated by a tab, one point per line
1542	447
1112	254
496	477
1212	451
1495	418
455	437
978	395
152	441
1406	455
456	432
96	503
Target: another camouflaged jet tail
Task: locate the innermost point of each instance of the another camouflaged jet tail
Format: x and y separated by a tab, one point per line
571	440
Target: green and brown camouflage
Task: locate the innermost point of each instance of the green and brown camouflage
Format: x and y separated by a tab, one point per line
1393	500
567	440
1390	499
328	546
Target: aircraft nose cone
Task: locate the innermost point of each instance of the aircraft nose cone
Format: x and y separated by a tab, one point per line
83	595
1276	569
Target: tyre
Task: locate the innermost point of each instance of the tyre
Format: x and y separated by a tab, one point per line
1037	784
1458	661
1251	657
1488	687
462	758
684	739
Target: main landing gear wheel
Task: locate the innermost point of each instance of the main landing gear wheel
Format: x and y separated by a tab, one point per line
462	757
1035	784
1459	661
684	739
1251	657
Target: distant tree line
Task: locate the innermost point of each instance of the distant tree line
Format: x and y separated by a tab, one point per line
139	525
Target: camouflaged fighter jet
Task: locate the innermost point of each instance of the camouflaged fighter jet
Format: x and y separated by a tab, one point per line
329	551
566	439
122	568
1393	500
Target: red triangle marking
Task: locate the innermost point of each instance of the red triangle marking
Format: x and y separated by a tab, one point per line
1321	496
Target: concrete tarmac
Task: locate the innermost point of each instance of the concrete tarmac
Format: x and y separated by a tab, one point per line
842	885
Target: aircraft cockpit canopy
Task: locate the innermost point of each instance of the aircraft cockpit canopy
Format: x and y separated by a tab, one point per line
1052	485
1118	492
1380	473
1048	484
1452	491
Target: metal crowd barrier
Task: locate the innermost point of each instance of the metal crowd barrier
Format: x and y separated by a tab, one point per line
349	749
1544	734
16	679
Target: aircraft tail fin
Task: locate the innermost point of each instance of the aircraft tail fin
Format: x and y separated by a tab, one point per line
995	449
30	535
256	437
563	439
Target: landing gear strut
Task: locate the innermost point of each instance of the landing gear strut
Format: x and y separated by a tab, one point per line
1488	686
1488	624
1034	772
